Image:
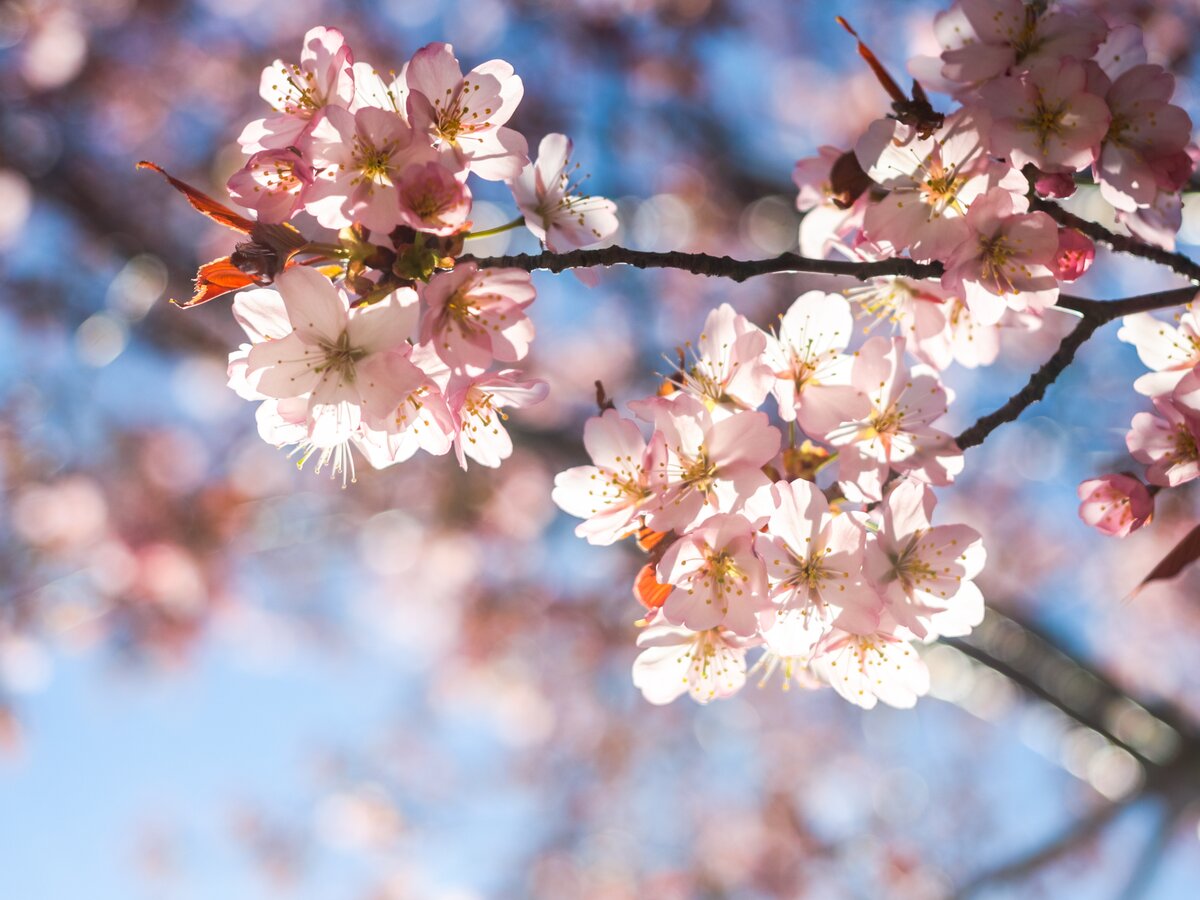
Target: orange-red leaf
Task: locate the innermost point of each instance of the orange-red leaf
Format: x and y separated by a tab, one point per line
885	79
203	203
648	591
1183	554
648	538
214	279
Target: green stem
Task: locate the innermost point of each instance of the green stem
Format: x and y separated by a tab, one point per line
499	229
334	251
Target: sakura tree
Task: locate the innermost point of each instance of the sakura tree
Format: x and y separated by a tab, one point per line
796	475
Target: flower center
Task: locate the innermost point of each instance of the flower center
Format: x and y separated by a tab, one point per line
341	357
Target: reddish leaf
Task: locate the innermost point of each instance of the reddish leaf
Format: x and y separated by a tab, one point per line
1183	554
203	203
648	538
648	591
885	79
214	279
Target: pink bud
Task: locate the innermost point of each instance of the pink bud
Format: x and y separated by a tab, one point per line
1115	504
1054	184
1075	254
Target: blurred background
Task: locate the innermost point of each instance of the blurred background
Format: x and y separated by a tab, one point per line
222	677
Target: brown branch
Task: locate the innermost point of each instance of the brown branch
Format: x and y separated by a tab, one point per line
1094	313
1122	243
706	264
1034	389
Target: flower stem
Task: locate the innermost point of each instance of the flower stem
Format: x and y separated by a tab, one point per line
499	229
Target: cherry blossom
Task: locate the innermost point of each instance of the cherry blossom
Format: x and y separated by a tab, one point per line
1171	351
333	354
897	434
706	664
710	464
814	559
811	370
465	114
324	78
987	38
432	199
865	669
715	577
555	210
1046	117
727	372
272	183
361	156
609	494
930	182
1166	443
477	404
476	315
1115	504
1006	262
1143	150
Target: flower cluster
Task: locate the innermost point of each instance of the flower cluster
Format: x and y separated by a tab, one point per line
1042	99
833	583
1166	441
369	335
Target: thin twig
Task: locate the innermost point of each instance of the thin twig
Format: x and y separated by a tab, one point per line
1122	243
706	264
1034	389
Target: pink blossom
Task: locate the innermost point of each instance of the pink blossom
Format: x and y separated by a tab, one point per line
333	355
421	420
865	669
1115	504
987	38
811	370
924	572
1055	184
1075	254
272	183
609	494
1143	152
433	199
474	316
477	403
1171	351
930	182
790	638
812	178
728	372
554	209
1046	117
706	664
1166	443
360	156
710	465
1159	222
897	434
1007	261
298	93
465	114
715	577
937	326
814	559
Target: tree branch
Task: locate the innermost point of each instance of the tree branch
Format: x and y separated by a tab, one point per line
1122	243
706	264
1034	389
